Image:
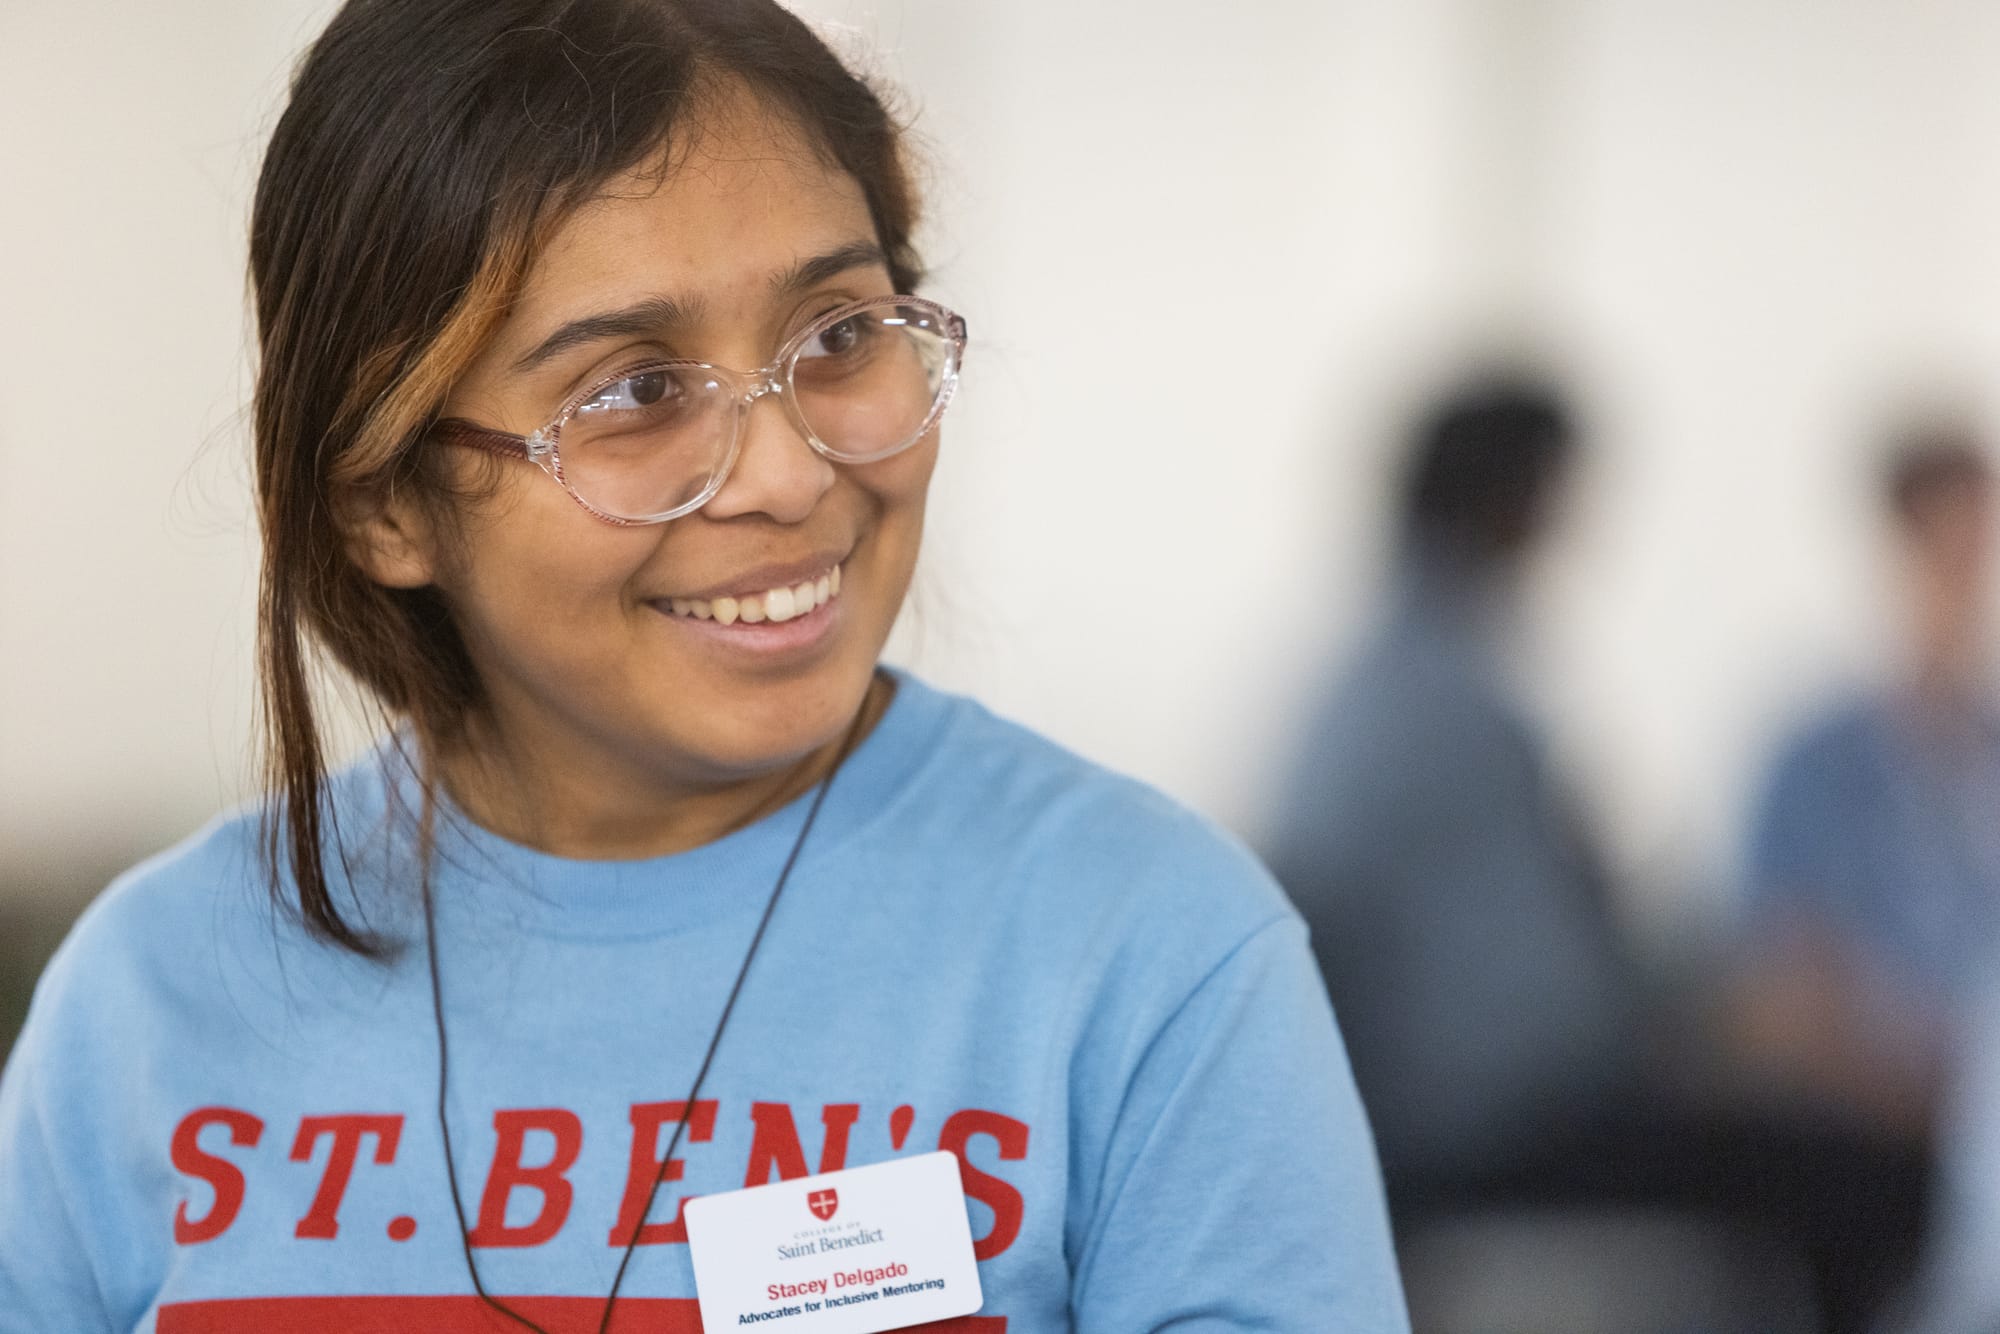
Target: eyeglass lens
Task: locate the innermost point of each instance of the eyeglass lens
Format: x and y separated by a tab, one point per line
654	441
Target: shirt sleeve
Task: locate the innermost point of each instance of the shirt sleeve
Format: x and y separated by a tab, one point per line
46	1280
1240	1188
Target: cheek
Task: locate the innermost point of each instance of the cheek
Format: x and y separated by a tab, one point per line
899	486
535	580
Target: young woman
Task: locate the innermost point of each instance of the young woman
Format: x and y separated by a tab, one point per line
594	421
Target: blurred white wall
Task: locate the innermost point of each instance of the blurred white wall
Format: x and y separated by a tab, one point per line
1206	254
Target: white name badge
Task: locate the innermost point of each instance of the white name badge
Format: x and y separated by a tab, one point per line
852	1252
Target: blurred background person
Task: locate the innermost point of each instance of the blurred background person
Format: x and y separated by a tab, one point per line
1461	917
1872	916
1874	863
1466	925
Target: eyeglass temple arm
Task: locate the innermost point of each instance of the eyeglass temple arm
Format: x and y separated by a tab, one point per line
453	431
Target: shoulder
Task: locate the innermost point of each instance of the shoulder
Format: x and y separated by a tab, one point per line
1824	787
162	928
1841	727
145	922
1077	839
1830	750
114	999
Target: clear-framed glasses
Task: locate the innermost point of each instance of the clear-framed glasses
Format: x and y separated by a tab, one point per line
862	382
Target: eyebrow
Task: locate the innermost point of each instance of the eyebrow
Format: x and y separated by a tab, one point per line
648	316
656	313
807	272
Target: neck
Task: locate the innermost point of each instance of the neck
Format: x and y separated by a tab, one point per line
572	801
1945	684
1947	643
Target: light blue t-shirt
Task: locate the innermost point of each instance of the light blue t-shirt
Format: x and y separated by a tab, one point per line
1102	1005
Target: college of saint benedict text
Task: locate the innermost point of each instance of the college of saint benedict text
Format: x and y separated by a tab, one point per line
844	1239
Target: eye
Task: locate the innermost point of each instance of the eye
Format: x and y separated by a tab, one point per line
839	339
644	389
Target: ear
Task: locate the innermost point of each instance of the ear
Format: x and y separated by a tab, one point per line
391	539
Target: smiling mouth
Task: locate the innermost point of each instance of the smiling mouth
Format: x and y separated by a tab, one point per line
784	603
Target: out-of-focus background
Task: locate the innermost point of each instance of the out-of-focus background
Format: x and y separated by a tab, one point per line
1214	258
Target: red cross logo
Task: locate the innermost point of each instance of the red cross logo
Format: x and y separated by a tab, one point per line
823	1203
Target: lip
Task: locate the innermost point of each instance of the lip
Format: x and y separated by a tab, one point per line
800	636
762	579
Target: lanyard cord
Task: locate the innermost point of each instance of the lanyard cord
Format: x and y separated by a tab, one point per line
687	1107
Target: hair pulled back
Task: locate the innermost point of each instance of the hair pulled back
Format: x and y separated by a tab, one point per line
427	147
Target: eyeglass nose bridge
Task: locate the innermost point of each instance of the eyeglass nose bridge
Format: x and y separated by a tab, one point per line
768	381
764	380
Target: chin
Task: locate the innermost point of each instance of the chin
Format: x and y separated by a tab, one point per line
746	728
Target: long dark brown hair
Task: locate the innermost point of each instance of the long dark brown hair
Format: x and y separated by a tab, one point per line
428	146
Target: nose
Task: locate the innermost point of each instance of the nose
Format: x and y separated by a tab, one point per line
776	473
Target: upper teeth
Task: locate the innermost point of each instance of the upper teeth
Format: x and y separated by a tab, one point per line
784	603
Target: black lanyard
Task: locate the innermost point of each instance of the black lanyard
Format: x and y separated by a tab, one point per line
687	1107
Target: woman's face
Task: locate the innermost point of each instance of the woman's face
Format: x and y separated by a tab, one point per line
572	622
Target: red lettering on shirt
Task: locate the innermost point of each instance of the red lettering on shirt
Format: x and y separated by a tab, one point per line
1003	1199
223	1176
775	1141
776	1149
838	1118
648	1118
322	1220
508	1172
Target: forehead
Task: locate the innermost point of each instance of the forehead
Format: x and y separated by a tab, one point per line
736	197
